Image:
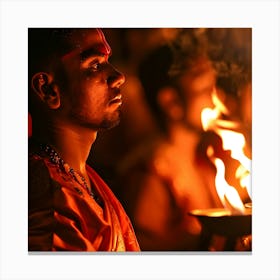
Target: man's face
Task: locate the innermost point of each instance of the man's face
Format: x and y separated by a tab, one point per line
198	89
93	96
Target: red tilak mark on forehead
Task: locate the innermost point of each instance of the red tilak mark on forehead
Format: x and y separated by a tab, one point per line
102	47
106	48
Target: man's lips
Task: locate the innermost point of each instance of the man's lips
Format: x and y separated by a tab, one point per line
116	100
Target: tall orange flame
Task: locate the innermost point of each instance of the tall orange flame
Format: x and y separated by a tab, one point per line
234	142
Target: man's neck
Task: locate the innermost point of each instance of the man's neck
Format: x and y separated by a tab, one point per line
72	143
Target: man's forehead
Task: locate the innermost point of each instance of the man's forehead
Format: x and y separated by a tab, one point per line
104	45
88	41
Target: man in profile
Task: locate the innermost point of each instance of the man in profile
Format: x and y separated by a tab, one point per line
74	92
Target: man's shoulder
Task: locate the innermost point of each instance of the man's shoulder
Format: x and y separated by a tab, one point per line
36	165
38	175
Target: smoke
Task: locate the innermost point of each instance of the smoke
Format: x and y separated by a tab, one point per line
228	49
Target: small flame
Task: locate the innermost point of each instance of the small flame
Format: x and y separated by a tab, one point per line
234	142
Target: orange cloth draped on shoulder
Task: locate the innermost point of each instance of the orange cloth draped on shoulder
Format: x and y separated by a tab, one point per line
62	216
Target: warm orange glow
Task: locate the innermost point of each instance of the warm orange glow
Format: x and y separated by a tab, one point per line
234	142
228	194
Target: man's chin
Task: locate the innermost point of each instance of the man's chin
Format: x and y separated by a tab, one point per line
108	124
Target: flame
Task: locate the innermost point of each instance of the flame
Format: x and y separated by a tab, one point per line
234	142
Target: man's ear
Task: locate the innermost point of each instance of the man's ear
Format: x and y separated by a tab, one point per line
47	91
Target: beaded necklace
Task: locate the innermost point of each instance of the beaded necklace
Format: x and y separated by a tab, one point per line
59	162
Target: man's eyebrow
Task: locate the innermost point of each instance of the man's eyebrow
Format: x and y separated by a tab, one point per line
96	51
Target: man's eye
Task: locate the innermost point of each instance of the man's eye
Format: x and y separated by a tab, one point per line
94	66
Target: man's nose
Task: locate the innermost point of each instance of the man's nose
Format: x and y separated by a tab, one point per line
116	78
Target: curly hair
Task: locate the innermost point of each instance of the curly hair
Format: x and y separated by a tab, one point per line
228	49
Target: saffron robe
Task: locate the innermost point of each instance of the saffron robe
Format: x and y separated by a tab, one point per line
62	216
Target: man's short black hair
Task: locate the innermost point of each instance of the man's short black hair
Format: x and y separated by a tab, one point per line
46	46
